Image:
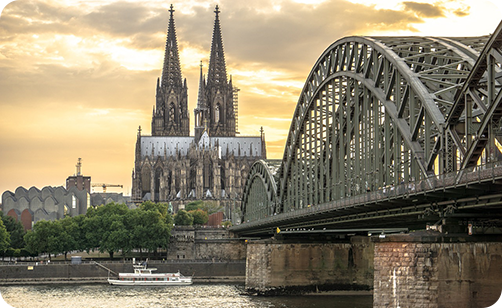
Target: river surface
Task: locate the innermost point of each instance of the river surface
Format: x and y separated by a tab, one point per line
197	295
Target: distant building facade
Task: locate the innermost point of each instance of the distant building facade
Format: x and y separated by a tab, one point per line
98	199
78	180
82	182
172	166
50	203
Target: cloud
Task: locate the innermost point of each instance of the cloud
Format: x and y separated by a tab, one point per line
126	19
462	10
284	38
425	10
104	85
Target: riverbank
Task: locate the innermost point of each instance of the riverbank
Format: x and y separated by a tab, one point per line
101	280
92	272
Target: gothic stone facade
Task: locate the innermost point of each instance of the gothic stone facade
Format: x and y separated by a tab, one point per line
170	165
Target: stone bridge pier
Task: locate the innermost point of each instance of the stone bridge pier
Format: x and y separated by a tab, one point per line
425	270
422	269
293	266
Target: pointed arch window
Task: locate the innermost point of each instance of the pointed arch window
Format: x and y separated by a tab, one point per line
217	113
158	183
172	113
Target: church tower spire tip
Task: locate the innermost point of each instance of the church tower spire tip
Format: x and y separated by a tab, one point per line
171	113
215	101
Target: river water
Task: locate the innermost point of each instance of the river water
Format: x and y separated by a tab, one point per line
197	296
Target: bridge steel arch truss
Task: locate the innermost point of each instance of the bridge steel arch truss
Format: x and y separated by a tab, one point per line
376	112
262	185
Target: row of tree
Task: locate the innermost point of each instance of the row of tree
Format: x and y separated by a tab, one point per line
108	228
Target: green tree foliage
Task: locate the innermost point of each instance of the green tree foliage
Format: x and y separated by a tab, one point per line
15	229
194	205
4	237
210	207
150	230
162	208
226	224
108	228
50	237
74	226
200	217
41	238
105	228
70	235
183	218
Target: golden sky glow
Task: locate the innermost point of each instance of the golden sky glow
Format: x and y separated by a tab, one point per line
78	77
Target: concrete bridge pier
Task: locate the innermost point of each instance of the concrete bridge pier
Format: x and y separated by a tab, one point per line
289	266
428	269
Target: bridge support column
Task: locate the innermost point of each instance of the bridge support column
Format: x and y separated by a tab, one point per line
275	267
431	270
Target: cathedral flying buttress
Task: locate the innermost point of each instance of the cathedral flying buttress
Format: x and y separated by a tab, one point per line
172	166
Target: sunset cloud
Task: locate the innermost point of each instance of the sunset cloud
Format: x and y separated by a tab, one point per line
425	10
78	77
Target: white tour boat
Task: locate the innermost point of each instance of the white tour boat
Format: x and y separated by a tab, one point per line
143	276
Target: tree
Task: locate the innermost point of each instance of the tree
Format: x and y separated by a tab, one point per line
39	240
211	207
15	229
162	208
118	237
104	228
76	230
4	237
183	218
194	205
69	234
57	240
200	217
226	224
155	231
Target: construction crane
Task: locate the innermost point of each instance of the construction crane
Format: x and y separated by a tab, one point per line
104	186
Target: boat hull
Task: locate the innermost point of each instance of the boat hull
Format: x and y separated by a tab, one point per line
118	282
143	276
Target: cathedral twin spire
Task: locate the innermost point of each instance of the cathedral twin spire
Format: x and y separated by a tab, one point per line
217	68
170	115
171	72
215	106
214	112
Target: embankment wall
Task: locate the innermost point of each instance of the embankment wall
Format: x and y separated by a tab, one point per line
189	243
90	272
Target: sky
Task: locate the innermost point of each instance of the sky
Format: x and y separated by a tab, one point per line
77	78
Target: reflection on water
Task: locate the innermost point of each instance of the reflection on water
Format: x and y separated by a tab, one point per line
197	295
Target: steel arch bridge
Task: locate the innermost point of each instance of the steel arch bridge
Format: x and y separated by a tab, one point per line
381	113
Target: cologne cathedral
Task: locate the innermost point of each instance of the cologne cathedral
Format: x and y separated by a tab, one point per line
172	166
